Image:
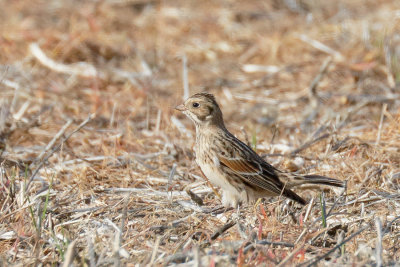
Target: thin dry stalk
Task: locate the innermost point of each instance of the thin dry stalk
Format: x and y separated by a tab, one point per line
378	248
312	89
53	140
92	261
81	69
319	258
70	254
291	255
155	250
310	205
169	184
116	248
378	137
322	47
77	129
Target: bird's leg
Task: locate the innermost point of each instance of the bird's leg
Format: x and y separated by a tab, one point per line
226	205
238	211
238	206
220	209
210	184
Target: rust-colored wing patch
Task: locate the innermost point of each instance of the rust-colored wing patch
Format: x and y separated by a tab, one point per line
253	173
241	166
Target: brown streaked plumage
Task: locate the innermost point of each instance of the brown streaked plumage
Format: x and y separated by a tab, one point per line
230	164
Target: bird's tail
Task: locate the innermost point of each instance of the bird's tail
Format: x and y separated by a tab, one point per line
318	179
292	180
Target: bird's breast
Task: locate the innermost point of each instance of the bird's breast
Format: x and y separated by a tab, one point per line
211	168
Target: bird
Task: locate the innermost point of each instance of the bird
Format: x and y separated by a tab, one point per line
242	175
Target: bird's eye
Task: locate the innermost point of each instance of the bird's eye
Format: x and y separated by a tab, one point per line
195	105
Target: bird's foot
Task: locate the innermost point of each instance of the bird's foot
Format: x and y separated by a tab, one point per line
218	210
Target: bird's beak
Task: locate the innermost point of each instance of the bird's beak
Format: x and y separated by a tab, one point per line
181	107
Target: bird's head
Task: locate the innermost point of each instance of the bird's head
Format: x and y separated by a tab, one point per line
202	109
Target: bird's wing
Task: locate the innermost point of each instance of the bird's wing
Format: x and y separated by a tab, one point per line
254	173
241	166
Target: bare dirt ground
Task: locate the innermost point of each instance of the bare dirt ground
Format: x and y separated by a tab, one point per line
97	168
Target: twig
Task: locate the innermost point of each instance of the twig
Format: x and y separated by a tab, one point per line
310	204
388	60
251	68
132	77
372	98
152	168
374	199
69	256
55	138
158	122
221	230
312	89
81	68
124	213
350	112
378	249
113	115
337	199
378	137
319	258
267	242
189	205
119	234
155	250
291	255
309	143
146	70
91	209
92	262
145	156
320	46
301	236
89	118
18	115
116	247
170	225
317	234
323	209
377	171
169	184
146	191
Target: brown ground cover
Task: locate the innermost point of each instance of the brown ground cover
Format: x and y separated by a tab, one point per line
96	168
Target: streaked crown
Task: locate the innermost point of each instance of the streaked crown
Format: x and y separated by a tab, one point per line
202	109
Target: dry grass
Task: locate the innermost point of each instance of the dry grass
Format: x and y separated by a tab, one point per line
104	189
